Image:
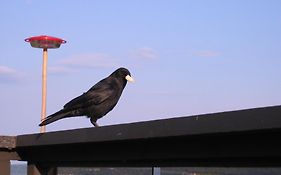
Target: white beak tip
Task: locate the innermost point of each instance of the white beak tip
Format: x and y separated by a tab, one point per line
129	78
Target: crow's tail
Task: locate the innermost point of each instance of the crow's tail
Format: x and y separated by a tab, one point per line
56	116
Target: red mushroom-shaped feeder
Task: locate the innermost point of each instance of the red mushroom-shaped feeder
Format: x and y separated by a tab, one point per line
44	42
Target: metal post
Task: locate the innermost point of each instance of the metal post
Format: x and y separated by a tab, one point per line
44	88
44	42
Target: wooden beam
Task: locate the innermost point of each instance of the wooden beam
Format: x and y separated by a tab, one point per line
7	148
7	142
32	169
5	167
9	155
224	122
236	138
38	169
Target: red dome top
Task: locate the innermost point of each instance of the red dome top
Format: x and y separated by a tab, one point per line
45	42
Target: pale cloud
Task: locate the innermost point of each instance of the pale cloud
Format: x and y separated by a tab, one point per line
8	74
96	60
145	53
207	53
4	70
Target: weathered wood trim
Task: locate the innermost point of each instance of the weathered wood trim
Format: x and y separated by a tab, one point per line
7	142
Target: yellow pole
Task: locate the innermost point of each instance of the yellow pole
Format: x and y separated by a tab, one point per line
44	88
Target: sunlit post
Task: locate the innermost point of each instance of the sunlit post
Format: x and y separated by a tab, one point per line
44	88
44	42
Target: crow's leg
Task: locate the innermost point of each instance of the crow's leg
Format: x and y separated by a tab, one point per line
94	122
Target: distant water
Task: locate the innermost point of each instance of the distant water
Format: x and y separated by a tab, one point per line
20	169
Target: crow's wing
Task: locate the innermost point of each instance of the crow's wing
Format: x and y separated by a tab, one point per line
96	95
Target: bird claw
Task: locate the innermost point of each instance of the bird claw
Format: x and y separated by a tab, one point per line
94	122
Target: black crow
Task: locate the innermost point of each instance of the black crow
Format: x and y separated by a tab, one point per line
97	101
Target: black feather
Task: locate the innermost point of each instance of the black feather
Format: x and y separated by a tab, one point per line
96	102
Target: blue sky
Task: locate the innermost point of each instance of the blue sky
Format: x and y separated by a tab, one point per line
188	57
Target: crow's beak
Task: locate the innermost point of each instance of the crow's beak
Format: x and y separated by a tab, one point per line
129	78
